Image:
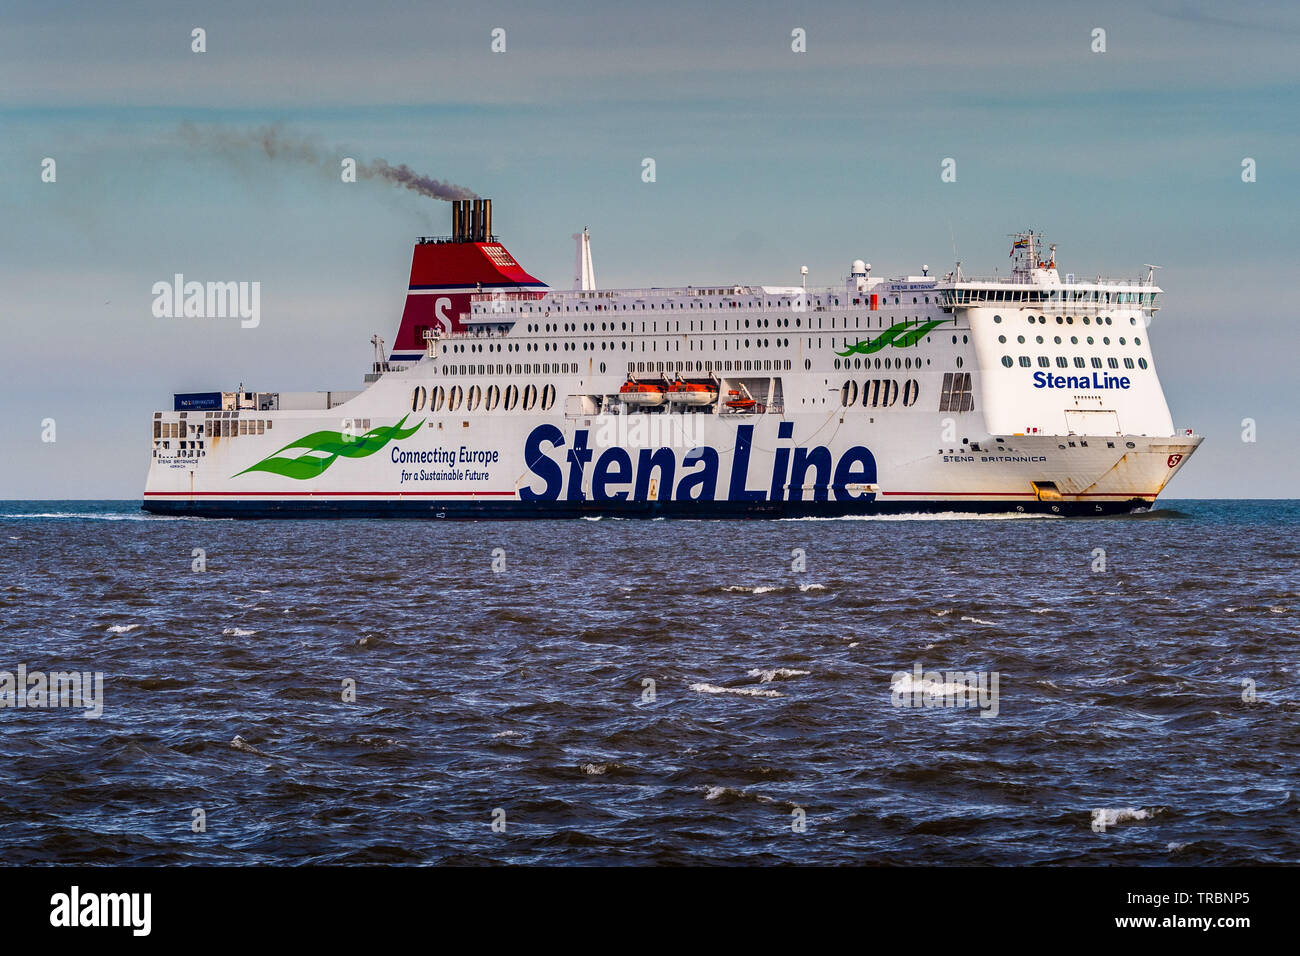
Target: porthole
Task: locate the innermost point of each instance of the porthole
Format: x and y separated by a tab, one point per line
997	318
1142	363
1006	360
493	398
512	397
1057	339
1002	339
530	397
454	398
548	397
959	361
1020	339
418	396
1137	341
475	396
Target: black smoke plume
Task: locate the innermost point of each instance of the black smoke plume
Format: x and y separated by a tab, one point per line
278	146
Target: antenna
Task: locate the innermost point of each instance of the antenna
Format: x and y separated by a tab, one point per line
1151	272
803	273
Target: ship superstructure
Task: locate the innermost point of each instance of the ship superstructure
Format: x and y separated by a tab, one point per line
503	397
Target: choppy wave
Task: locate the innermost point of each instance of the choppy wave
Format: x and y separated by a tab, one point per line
352	692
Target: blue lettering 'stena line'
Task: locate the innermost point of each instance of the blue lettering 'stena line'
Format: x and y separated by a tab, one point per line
615	475
1048	380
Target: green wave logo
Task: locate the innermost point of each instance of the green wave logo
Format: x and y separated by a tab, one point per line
322	449
900	335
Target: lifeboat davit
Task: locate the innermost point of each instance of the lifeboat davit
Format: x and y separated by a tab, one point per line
692	393
642	393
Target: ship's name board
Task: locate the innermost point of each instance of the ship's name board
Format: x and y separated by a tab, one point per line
577	472
1048	380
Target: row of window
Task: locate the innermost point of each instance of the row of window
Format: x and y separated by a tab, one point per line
218	427
1074	340
528	368
879	392
1063	362
754	365
965	296
1069	320
244	426
886	362
490	398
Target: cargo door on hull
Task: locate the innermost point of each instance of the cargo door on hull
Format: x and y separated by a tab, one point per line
1080	421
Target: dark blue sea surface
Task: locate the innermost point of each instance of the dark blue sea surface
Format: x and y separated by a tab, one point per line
1148	709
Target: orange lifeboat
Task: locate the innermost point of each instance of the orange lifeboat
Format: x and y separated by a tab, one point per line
692	393
633	392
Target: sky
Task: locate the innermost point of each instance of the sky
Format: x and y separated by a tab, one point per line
766	159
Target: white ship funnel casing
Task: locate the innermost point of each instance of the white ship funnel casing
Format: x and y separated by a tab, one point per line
1049	398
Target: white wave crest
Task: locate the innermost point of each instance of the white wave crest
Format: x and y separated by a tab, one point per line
741	691
767	676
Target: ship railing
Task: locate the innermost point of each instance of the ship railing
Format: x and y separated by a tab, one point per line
1068	281
569	296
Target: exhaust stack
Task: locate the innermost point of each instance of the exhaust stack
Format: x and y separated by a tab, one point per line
471	220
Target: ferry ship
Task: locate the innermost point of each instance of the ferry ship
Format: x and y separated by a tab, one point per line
503	397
